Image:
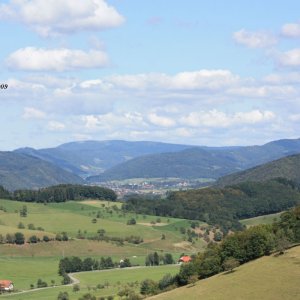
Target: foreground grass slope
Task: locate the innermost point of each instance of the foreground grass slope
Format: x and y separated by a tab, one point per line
267	278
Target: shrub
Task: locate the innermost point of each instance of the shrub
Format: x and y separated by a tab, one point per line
63	296
33	239
132	221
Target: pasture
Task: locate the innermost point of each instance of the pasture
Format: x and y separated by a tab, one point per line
25	264
111	282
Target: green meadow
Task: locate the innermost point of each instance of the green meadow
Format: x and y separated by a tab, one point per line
112	282
25	264
266	219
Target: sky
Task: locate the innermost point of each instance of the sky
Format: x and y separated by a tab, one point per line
216	73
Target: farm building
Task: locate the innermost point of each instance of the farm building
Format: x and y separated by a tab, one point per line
184	259
6	285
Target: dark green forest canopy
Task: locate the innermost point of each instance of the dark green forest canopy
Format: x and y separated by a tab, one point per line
60	193
224	206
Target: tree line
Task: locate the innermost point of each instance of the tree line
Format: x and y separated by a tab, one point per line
221	206
76	264
60	193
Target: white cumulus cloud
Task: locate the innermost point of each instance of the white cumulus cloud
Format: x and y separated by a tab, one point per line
291	30
289	58
254	39
219	119
39	59
161	121
201	79
56	126
33	113
54	17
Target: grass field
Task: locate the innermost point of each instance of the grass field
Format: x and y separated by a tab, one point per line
267	219
116	279
25	264
267	278
73	217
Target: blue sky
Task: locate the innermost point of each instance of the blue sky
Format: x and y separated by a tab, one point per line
196	72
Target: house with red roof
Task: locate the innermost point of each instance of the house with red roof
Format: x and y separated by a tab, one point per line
6	285
184	259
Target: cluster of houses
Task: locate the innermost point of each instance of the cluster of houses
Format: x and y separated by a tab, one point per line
6	286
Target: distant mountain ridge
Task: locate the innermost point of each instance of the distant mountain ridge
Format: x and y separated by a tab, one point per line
98	161
21	171
286	167
199	162
93	157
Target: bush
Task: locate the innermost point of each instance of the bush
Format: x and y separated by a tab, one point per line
21	225
132	221
149	287
63	296
19	238
46	238
33	239
40	283
76	288
230	263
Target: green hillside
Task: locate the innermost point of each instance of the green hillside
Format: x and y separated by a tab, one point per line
199	162
267	278
190	163
287	167
19	171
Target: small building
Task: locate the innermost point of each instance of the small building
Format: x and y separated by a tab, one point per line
184	259
6	285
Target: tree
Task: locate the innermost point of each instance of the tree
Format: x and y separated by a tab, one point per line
87	297
63	296
10	238
166	281
23	211
33	239
218	236
21	225
40	283
19	238
149	287
168	259
132	221
76	288
230	263
125	263
282	244
46	238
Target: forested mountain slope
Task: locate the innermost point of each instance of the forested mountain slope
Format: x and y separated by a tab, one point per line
19	171
287	167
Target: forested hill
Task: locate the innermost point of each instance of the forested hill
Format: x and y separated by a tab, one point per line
287	167
222	206
189	163
18	171
199	162
93	157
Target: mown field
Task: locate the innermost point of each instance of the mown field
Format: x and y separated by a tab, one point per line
267	278
25	264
